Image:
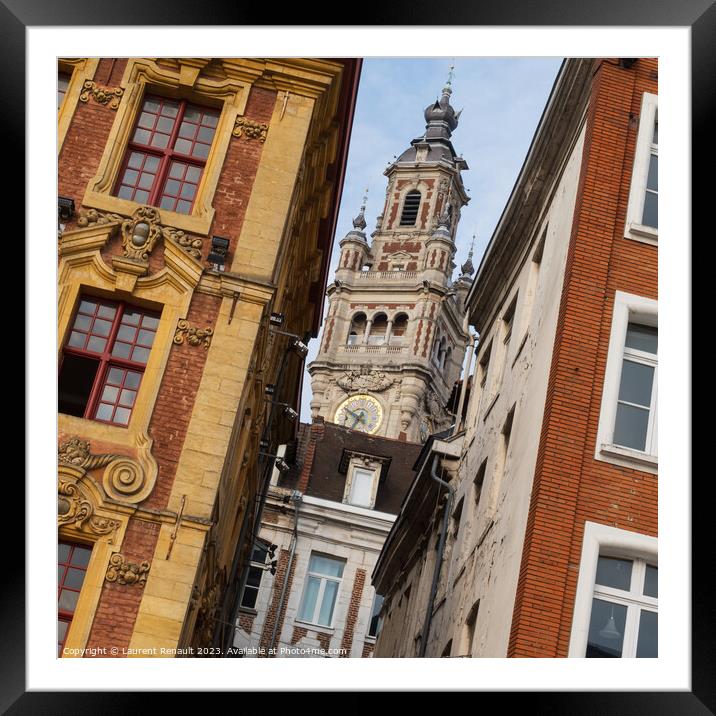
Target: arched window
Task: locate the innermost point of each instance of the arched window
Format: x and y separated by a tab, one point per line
410	208
442	351
400	328
448	357
357	329
378	330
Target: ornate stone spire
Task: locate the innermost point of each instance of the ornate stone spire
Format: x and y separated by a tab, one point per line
359	222
467	268
441	118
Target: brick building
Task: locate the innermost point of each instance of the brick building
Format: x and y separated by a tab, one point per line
531	528
197	199
324	523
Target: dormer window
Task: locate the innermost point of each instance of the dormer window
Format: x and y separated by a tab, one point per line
361	484
410	208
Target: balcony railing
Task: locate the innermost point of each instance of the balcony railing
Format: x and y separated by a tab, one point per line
380	275
364	348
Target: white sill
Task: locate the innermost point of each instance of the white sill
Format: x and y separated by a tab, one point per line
624	453
645	234
313	627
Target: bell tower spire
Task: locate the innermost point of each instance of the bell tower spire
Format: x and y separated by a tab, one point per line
392	343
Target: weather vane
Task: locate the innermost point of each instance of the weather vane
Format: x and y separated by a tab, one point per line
451	74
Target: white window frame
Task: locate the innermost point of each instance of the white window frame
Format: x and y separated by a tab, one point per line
355	468
323	579
628	308
603	540
645	147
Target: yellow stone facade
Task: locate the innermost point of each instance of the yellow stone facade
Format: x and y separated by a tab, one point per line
279	251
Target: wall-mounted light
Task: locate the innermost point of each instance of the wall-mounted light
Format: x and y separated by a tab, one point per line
300	348
290	413
269	389
219	250
65	208
279	463
264	444
276	319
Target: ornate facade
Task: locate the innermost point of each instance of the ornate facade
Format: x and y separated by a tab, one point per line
393	340
197	198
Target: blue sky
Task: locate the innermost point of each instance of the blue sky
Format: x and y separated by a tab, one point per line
502	101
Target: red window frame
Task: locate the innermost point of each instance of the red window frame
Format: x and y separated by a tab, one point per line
62	90
75	561
108	363
174	167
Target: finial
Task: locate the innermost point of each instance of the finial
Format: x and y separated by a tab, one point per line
468	268
451	74
359	222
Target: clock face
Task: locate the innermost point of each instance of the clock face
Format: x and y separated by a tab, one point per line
360	412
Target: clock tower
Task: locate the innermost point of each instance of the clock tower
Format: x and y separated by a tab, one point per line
393	342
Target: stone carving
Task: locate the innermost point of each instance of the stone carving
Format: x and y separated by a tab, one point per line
73	508
438	416
191	244
193	336
124	572
364	378
126	478
92	216
76	451
250	129
101	95
140	233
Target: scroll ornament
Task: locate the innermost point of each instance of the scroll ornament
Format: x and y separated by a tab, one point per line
124	572
101	95
73	508
193	336
250	129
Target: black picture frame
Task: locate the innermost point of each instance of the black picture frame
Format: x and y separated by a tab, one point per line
699	15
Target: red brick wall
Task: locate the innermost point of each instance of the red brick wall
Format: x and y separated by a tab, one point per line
273	615
175	401
352	616
118	604
570	486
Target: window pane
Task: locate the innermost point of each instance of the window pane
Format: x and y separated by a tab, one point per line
74	578
146	180
96	345
325	616
110	393
165	125
101	328
201	151
655	138
88	307
249	599
151	164
650	216
612	572
81	556
104	411
606	629
141	197
651	581
193	174
115	376
63	552
642	338
170	109
61	630
121	350
140	355
135	160
141	136
160	141
183	146
121	416
630	426
151	322
127	398
107	311
636	383
183	207
68	600
310	595
647	646
652	179
127	333
77	340
326	565
132	380
361	488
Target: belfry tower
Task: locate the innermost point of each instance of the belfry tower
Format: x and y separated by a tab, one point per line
392	344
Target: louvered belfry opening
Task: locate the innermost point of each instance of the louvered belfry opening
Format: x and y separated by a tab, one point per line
410	208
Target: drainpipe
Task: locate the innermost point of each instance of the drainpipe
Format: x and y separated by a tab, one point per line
466	375
439	559
297	497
